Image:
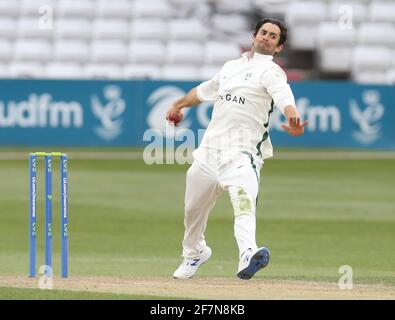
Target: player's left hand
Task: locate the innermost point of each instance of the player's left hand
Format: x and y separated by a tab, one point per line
295	128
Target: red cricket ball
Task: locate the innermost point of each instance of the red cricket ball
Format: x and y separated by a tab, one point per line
175	117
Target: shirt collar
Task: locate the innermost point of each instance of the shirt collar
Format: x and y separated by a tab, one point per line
257	56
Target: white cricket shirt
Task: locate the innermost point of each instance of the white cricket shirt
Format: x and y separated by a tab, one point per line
245	92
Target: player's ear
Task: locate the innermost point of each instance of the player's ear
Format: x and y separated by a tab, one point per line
279	48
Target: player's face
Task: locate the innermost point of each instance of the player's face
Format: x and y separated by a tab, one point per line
267	39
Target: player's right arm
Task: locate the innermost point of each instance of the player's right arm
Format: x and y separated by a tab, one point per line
189	100
206	91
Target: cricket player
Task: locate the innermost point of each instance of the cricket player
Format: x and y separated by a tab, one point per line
234	147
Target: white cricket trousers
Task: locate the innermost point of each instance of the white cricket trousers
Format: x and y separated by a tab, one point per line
211	173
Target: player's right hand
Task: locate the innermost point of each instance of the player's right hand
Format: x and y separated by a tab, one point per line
175	116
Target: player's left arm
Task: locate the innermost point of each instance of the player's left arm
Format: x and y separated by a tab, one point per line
295	127
275	82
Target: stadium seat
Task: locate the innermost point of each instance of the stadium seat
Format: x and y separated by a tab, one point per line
8	28
4	71
374	33
346	11
33	50
187	29
72	8
109	51
242	39
26	69
335	59
335	47
332	34
149	29
303	37
193	9
141	71
382	11
71	50
230	23
114	8
6	50
111	28
76	28
305	12
147	52
180	72
31	27
10	8
220	52
302	18
102	71
274	8
184	52
371	58
31	8
179	3
152	8
62	70
231	6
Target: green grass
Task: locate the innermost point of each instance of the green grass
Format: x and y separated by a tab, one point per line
126	219
37	294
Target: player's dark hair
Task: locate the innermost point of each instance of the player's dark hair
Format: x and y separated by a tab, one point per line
278	23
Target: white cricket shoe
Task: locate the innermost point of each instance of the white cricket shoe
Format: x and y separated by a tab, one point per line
252	261
189	267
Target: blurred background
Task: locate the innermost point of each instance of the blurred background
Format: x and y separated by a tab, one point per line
103	72
191	39
95	78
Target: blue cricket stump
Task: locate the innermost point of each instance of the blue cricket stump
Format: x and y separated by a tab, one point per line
48	212
64	215
33	210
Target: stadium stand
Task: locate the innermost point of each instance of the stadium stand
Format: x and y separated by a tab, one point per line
63	70
351	39
141	71
161	39
147	51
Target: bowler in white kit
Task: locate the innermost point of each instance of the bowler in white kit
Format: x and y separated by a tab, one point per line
234	147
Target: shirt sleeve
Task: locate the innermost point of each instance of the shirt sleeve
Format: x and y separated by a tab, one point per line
208	90
274	81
